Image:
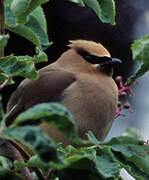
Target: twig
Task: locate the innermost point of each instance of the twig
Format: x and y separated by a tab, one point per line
28	155
4	83
16	155
48	174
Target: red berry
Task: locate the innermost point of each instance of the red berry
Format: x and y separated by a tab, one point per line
127	105
122	94
118	78
119	104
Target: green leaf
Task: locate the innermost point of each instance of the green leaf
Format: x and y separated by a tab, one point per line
86	159
4	77
6	64
9	16
34	30
78	2
54	114
25	32
92	138
73	158
22	8
11	66
140	50
5	165
134	171
35	161
57	178
134	152
39	15
19	165
8	2
105	9
143	68
107	167
141	162
129	151
74	155
133	132
3	41
36	22
40	57
35	140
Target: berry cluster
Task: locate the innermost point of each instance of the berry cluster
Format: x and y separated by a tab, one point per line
123	92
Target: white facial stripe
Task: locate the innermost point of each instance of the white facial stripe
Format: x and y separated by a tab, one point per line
96	65
101	55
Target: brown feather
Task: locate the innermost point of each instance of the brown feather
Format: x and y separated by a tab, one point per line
47	88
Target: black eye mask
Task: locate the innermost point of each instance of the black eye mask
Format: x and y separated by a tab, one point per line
103	60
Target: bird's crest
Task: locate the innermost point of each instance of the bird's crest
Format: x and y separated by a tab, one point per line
91	47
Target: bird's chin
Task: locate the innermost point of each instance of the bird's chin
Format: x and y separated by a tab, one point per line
106	69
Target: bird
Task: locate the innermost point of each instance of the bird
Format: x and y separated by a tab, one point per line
81	80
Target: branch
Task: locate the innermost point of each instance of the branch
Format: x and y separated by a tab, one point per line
16	155
27	154
4	83
2	22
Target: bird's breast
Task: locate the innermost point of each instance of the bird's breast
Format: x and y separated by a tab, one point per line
93	102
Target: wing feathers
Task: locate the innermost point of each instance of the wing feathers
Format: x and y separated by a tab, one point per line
50	83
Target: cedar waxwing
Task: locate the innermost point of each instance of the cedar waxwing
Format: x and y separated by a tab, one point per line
81	80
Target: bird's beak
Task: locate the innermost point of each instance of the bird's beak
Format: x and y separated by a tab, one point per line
115	61
112	61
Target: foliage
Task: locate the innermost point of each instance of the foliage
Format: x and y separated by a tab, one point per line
31	24
102	159
105	9
11	65
78	2
140	50
21	9
53	114
44	158
3	40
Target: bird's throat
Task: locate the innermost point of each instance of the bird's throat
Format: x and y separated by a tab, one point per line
107	70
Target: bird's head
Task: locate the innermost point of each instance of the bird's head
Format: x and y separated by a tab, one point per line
95	54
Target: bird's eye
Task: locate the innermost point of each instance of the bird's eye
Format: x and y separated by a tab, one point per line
88	58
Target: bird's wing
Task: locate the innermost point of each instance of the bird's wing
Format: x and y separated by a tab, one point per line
47	88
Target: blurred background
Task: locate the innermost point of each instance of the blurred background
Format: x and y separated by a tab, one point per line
67	21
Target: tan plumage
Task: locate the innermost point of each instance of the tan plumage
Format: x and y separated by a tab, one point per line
88	91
